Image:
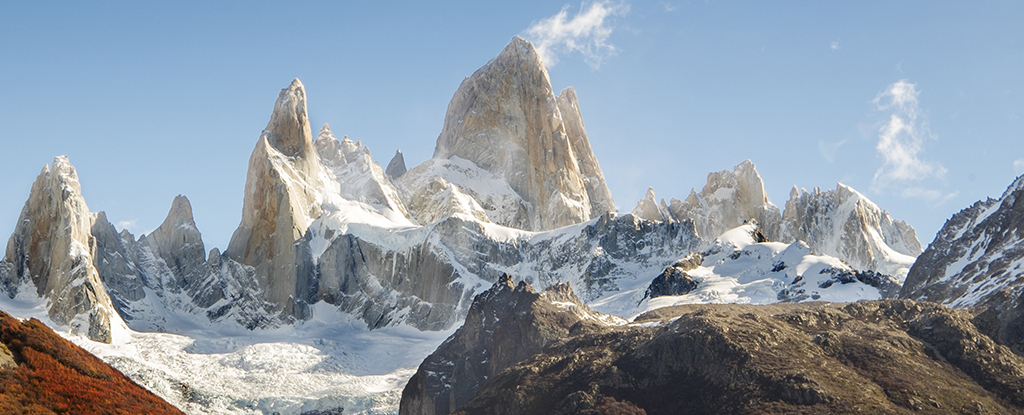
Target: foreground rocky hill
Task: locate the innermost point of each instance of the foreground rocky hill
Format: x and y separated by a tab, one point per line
41	373
889	356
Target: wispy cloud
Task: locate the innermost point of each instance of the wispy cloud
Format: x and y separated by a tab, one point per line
127	224
829	149
587	33
1018	166
901	145
834	45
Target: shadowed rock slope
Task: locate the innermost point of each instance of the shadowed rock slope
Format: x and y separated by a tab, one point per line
45	374
889	356
977	260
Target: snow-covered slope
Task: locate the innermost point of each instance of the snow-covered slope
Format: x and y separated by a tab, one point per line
845	224
738	269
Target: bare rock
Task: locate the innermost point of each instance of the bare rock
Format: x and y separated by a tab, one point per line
506	120
282	196
51	248
730	199
396	168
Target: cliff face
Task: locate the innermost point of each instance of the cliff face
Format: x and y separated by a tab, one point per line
506	119
730	199
845	224
977	260
51	249
282	196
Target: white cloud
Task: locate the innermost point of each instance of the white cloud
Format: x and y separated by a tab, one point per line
669	8
587	33
901	144
1018	166
829	149
834	45
930	195
127	224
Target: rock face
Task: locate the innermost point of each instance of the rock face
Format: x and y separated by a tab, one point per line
396	168
428	280
354	176
868	357
977	260
845	224
674	280
51	250
165	277
649	209
730	199
505	119
507	324
282	196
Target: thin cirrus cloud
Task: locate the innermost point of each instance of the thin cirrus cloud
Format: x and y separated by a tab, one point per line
1018	166
586	33
901	143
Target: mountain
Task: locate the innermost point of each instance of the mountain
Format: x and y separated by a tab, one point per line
873	356
730	199
42	373
845	224
977	260
283	192
506	120
327	236
49	255
506	325
841	223
741	266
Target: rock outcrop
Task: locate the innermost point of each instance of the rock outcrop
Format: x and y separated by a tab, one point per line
868	357
505	119
396	168
283	192
506	325
977	260
649	209
730	199
845	224
51	250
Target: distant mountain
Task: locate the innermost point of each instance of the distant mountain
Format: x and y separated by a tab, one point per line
977	260
841	223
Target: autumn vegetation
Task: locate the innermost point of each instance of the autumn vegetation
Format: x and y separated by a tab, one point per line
53	376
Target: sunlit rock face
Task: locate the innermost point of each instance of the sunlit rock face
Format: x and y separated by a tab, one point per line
282	196
506	120
730	199
51	250
845	224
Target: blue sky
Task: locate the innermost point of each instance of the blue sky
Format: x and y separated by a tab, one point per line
916	104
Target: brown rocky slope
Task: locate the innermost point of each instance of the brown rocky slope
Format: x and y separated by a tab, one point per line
889	356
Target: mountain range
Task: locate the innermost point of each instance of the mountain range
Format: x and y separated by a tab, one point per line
513	191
